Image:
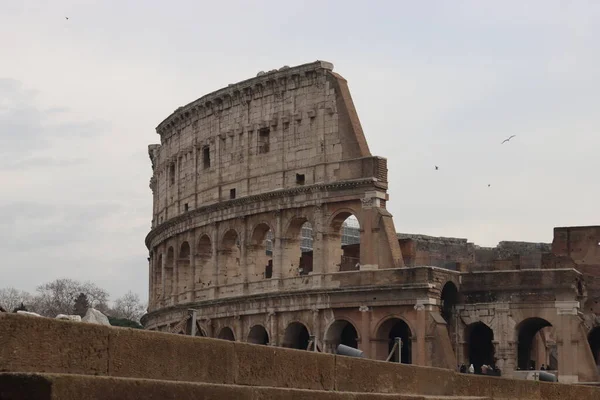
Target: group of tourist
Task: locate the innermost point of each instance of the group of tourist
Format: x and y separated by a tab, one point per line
483	370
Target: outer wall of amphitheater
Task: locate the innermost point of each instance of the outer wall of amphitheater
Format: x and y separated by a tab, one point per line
239	172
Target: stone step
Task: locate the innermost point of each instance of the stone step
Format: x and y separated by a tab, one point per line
20	386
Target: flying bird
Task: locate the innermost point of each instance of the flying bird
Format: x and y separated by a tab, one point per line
436	168
506	140
489	185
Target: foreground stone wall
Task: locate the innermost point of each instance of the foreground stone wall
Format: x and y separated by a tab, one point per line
30	345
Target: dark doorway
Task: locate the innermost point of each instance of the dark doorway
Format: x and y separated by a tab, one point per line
394	328
449	299
258	335
594	341
341	332
481	346
527	330
296	336
226	334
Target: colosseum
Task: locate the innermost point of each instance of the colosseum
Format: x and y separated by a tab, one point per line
270	226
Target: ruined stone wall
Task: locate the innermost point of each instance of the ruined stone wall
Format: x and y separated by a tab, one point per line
276	131
262	158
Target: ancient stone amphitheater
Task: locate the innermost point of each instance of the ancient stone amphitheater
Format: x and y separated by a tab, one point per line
239	177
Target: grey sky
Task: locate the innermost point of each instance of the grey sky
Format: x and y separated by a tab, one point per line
435	83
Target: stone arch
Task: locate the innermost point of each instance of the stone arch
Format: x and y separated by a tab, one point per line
297	255
184	269
533	347
594	342
296	336
479	347
343	248
157	278
259	252
169	267
341	331
230	271
448	299
258	335
388	329
226	333
204	262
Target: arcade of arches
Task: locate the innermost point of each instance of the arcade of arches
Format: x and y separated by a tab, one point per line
191	266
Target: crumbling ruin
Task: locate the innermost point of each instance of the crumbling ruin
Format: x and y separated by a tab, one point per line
240	172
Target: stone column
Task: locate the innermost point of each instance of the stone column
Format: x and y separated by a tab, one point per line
215	261
151	266
365	331
163	267
195	155
319	248
505	350
273	327
238	329
567	341
422	307
278	249
243	264
316	330
193	277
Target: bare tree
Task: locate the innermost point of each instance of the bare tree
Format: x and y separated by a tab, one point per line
129	307
11	298
58	297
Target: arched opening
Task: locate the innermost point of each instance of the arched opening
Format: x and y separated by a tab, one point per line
480	345
258	335
298	248
169	272
535	345
341	332
184	272
386	337
296	336
449	298
204	263
594	341
157	279
226	334
229	259
259	253
343	242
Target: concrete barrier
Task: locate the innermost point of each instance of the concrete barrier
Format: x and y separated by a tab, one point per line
46	345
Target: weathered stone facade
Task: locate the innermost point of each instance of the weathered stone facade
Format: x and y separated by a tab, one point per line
286	148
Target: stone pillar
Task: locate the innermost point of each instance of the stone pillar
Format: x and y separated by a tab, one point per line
505	349
368	240
567	341
419	353
163	267
243	264
316	327
278	249
238	329
319	248
151	266
193	277
365	331
175	278
215	261
273	327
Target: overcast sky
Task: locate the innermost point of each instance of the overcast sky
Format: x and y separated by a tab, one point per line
435	83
